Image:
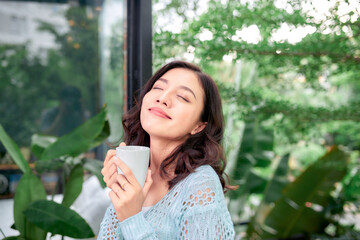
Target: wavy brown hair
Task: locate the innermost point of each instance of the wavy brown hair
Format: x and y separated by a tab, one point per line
203	148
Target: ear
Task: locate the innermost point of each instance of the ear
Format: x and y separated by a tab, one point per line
200	126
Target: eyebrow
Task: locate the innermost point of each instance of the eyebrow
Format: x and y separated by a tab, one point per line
181	86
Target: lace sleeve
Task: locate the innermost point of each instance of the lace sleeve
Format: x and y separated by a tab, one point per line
109	227
205	215
137	228
134	227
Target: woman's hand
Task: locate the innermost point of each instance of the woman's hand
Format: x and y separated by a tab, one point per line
109	170
127	195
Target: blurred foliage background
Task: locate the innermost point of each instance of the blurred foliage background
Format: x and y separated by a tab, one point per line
288	72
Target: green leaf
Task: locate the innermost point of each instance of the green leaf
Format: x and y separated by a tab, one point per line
255	151
271	194
104	134
252	183
94	166
29	189
256	137
73	186
14	151
80	140
300	209
40	142
58	219
352	189
50	165
278	181
15	238
255	183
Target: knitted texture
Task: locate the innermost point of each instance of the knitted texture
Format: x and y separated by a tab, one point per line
195	208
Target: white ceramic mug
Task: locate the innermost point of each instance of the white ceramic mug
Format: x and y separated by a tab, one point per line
137	159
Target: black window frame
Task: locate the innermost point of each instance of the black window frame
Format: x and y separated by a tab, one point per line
139	47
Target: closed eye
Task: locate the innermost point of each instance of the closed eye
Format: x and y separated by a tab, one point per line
183	98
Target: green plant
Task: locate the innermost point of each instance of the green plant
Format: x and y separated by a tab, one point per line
288	207
299	207
34	215
256	152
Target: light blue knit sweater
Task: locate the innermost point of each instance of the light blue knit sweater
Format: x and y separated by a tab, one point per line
195	208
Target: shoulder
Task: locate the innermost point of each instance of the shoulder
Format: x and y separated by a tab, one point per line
203	175
200	194
203	186
206	172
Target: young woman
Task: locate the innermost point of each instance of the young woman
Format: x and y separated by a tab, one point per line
179	116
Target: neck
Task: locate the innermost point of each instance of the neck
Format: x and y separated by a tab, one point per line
159	150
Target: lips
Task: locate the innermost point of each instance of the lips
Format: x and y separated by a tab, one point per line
159	112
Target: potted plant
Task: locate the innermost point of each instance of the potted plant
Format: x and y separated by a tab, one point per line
34	214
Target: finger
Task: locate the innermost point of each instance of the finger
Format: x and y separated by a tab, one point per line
115	187
127	172
111	166
109	155
122	181
122	144
148	183
114	197
105	174
111	179
109	170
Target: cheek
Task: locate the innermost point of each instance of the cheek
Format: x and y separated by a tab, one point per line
145	124
144	104
143	109
196	113
145	99
142	115
190	117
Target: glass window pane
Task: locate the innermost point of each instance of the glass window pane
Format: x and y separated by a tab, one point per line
59	64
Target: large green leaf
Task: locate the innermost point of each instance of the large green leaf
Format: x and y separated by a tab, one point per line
278	181
104	134
94	166
300	209
254	183
50	165
255	151
73	186
58	219
28	190
256	138
271	194
14	151
40	142
86	136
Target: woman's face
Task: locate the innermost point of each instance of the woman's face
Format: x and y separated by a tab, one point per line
171	109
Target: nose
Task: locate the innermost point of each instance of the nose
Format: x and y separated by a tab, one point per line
164	98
